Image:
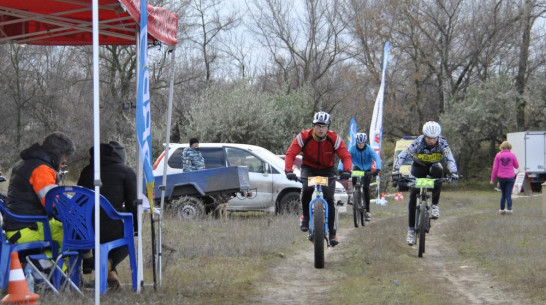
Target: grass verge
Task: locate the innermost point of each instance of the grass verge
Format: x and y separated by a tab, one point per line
224	261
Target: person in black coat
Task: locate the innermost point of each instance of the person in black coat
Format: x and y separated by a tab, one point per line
119	187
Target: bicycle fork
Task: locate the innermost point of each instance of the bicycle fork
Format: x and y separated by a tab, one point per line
311	224
423	198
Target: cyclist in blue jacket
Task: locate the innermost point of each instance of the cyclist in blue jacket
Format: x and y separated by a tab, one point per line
363	156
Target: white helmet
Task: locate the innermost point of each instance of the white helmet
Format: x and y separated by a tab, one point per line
432	129
321	117
361	138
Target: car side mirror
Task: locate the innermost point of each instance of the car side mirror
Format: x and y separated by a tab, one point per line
266	169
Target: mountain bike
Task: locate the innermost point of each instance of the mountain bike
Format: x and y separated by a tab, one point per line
359	208
318	219
422	207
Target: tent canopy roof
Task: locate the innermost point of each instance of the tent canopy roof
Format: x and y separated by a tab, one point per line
69	22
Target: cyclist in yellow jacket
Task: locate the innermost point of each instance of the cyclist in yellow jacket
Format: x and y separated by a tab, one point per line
427	152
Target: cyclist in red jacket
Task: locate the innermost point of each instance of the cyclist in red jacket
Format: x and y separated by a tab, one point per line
319	146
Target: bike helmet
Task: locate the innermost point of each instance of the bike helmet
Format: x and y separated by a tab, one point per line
361	138
321	117
432	129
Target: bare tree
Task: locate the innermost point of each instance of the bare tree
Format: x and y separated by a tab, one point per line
21	87
440	48
206	21
305	40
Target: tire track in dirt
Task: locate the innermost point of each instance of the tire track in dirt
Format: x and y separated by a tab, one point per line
465	280
297	281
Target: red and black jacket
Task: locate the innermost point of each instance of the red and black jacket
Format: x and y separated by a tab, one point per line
318	154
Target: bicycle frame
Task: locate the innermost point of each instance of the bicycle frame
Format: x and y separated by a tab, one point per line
319	199
422	216
318	182
424	184
316	234
359	209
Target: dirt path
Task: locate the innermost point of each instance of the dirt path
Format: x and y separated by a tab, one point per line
465	280
295	281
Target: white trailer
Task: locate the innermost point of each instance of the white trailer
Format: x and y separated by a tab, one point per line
530	149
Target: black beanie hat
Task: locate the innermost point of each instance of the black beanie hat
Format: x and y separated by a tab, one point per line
193	140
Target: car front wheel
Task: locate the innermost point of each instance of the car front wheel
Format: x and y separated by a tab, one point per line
290	203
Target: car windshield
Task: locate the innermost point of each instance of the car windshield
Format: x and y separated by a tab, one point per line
273	158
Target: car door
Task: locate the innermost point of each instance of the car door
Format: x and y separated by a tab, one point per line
261	180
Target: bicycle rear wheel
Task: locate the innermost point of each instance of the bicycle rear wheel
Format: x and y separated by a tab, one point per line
422	229
356	205
318	234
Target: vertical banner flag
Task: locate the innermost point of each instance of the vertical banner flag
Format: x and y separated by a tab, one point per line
349	140
376	126
143	119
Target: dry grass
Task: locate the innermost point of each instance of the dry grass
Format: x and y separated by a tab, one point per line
222	262
510	247
209	261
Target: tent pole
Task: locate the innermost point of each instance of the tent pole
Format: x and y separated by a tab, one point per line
140	194
96	144
164	181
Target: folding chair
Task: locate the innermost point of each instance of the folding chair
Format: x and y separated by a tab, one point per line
74	207
24	249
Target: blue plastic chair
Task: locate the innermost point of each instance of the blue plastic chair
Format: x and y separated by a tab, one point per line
22	248
74	207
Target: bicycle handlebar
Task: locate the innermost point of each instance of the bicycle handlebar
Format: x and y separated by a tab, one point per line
299	179
359	174
411	180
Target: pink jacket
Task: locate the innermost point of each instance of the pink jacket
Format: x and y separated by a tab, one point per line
504	165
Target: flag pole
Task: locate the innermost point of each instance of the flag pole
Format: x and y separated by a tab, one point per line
143	131
376	125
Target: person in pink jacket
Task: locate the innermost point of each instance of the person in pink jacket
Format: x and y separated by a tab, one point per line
503	169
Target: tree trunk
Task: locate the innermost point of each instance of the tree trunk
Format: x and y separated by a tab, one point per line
521	81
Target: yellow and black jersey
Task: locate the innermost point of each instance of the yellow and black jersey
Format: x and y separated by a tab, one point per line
421	153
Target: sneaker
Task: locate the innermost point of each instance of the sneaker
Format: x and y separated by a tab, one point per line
508	211
304	224
502	212
435	212
368	216
411	237
333	240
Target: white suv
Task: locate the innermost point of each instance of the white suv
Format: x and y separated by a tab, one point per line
271	191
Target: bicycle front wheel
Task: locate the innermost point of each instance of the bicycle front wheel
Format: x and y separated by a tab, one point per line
356	205
318	234
362	211
422	228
